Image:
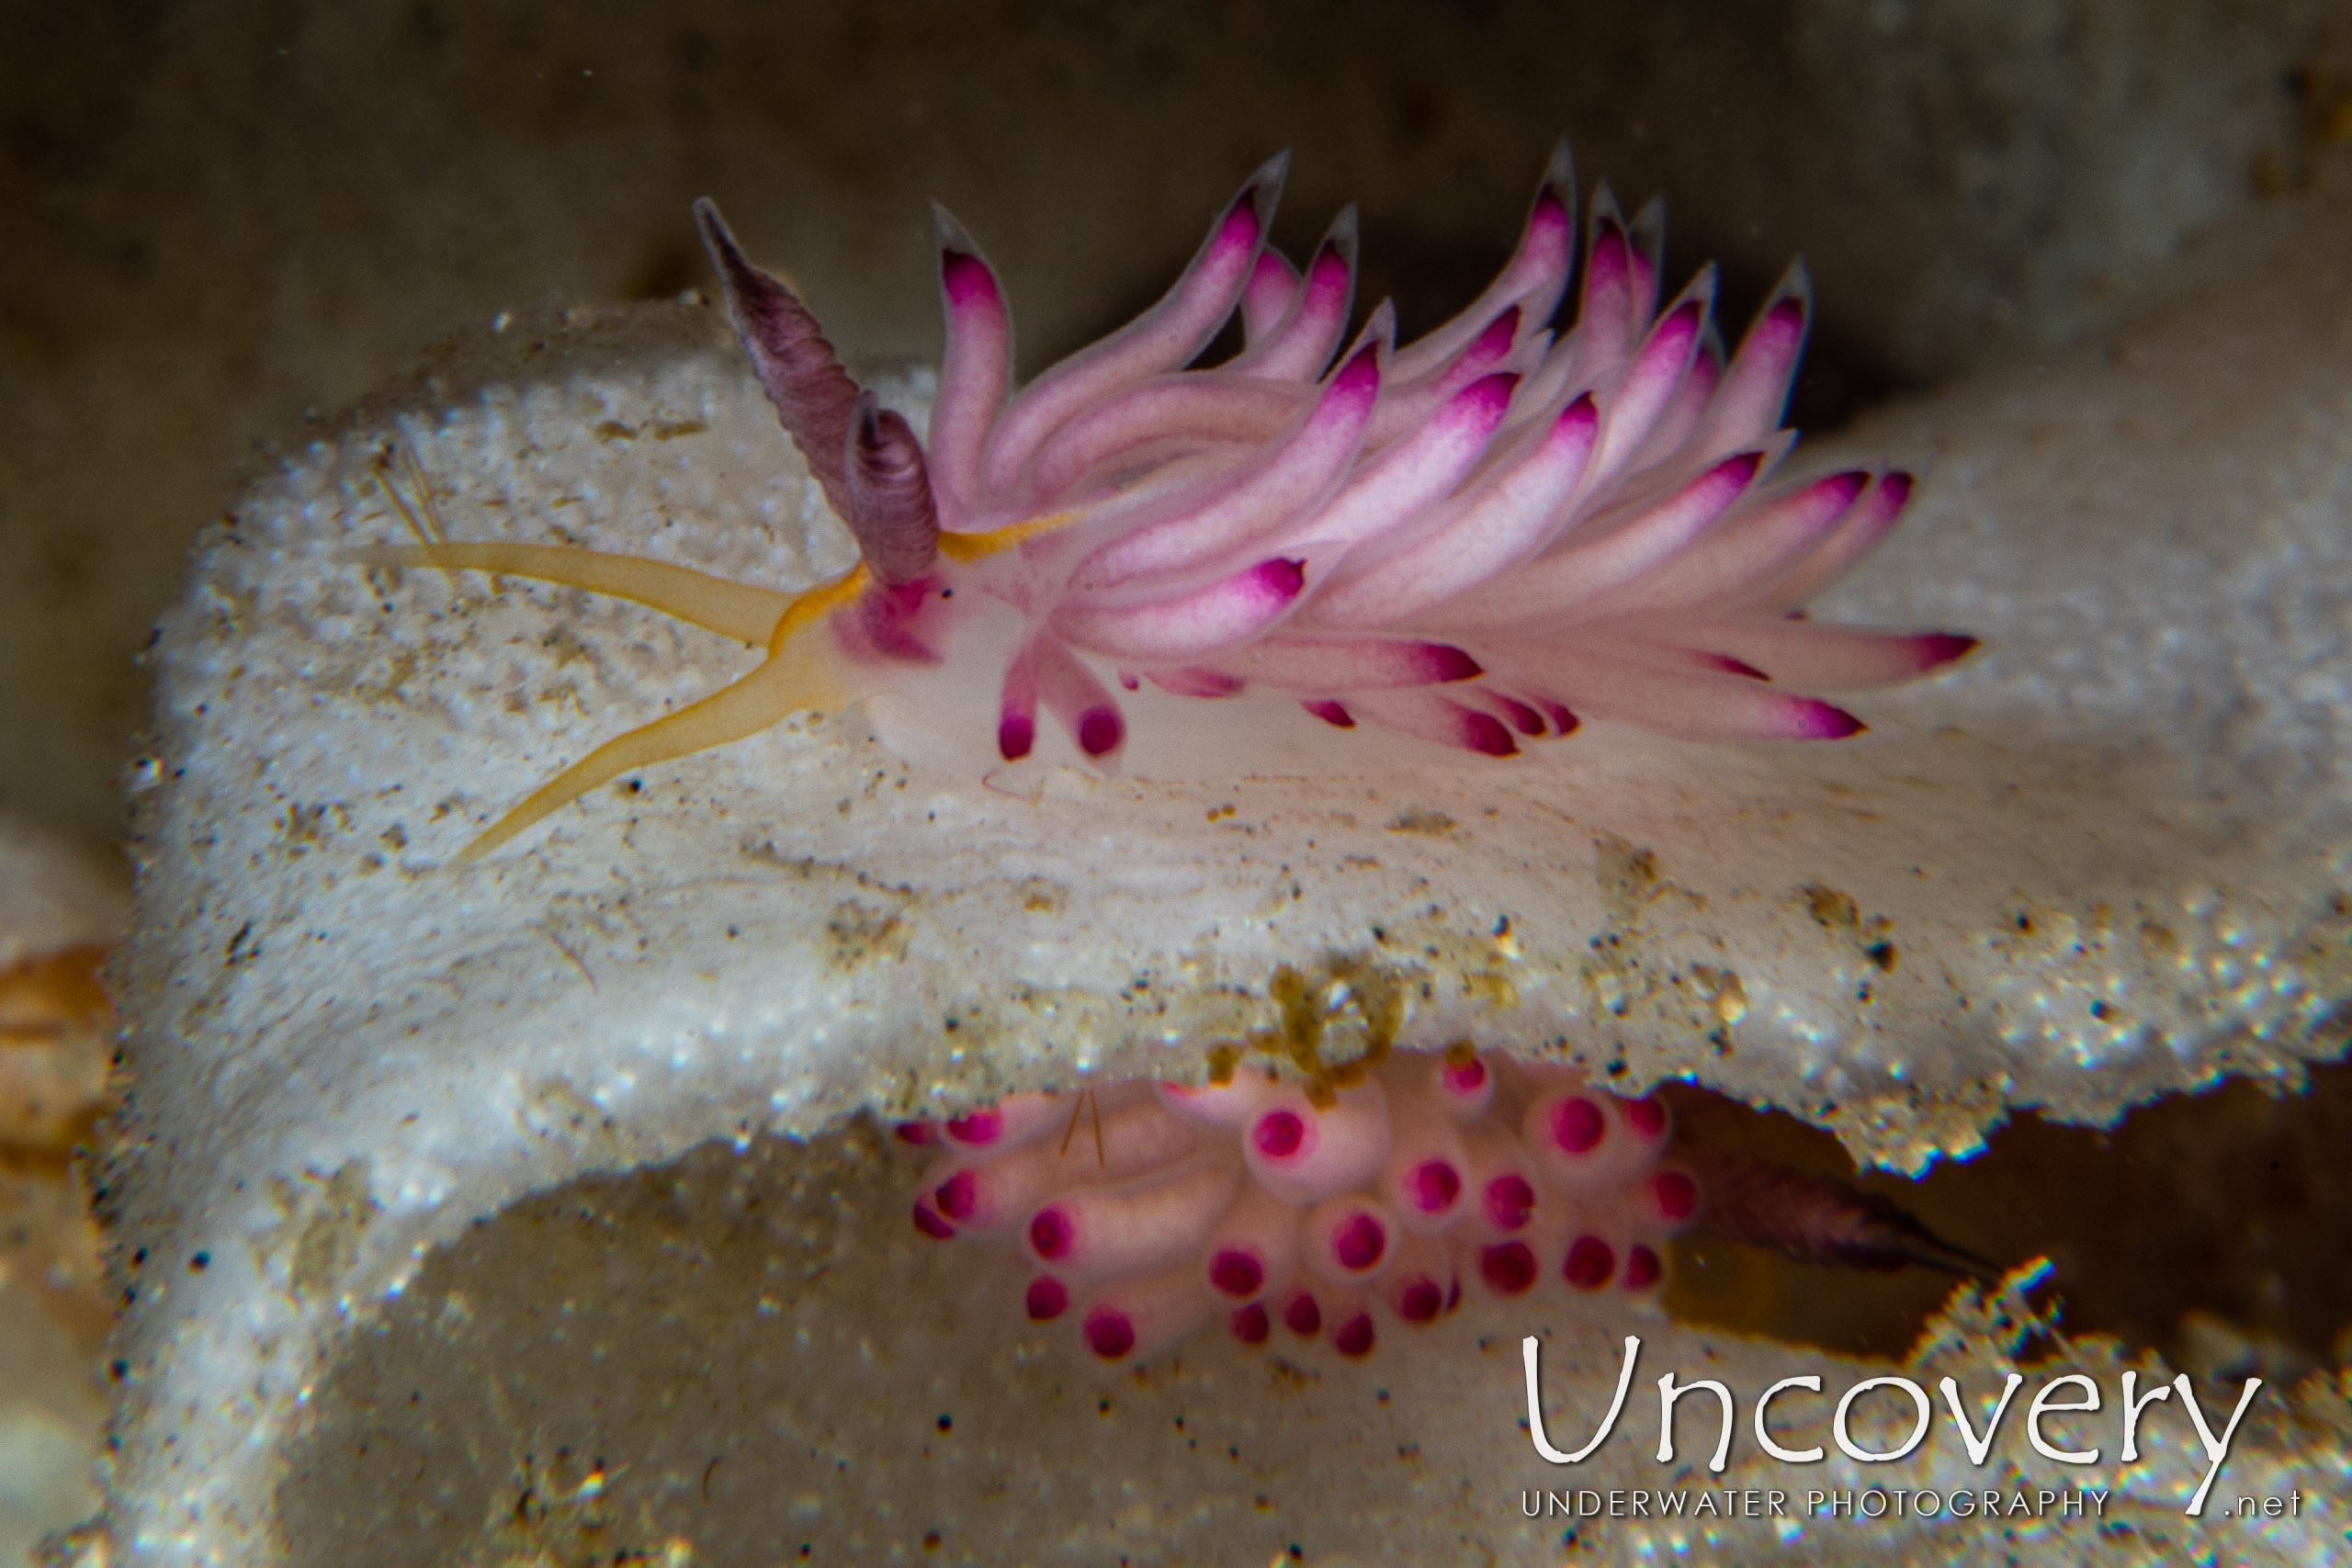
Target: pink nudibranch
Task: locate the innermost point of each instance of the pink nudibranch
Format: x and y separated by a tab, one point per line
1476	538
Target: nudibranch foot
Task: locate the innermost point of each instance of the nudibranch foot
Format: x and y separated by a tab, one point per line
1548	524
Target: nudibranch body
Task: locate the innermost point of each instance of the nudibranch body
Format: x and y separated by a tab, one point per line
1478	538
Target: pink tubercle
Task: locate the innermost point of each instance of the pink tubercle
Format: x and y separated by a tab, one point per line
1510	1201
1466	1078
1509	1268
1251	1323
976	1128
1109	1332
1642	1268
1100	730
1434	1185
1359	1242
1354	1337
958	1196
1676	1194
1014	737
1302	1315
1421	1301
1645	1116
1051	1234
1589	1263
1332	713
1279	1135
1577	1125
1047	1299
928	1220
1237	1273
920	1134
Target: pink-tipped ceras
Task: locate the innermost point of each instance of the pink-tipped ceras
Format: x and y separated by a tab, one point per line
1476	538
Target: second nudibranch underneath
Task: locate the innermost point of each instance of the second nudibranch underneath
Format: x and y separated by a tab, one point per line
1474	539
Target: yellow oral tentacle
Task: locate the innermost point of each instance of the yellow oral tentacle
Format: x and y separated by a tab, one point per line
736	610
787	681
980	546
809	607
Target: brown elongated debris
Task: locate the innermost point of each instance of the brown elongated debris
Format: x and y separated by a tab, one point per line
1818	1219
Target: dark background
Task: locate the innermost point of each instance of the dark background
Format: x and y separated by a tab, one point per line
218	214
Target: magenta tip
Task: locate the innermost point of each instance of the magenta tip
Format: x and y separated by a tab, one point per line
1643	1268
979	1127
1361	1243
1590	1264
1251	1323
1353	1338
1467	1078
1577	1125
1435	1185
1236	1273
1821	721
958	1197
1108	1332
1509	1200
1937	649
1050	1233
1279	1133
1047	1299
1677	1194
1485	732
1509	1268
927	1221
1448	663
1099	731
966	279
1421	1301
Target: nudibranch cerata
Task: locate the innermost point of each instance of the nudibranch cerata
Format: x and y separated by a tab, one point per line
1264	1203
1149	1211
1478	538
